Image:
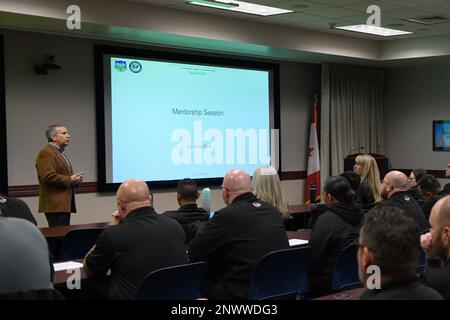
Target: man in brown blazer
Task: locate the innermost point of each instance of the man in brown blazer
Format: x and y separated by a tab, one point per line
56	178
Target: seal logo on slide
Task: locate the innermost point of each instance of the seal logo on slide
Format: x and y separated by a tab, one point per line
120	65
135	67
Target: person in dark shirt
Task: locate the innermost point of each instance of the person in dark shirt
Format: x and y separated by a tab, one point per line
138	242
431	191
189	214
388	253
393	191
334	229
447	175
436	245
15	208
413	180
237	237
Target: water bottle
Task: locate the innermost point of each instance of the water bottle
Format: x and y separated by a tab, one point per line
206	199
312	193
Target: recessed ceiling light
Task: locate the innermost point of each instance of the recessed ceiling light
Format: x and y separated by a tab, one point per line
371	29
239	6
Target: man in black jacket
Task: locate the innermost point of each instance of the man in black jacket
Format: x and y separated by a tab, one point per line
237	237
138	242
432	191
388	254
436	245
394	190
189	214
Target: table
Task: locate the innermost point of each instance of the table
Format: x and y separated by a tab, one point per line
299	234
352	294
63	230
301	214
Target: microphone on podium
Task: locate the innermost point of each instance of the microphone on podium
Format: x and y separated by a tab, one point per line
359	148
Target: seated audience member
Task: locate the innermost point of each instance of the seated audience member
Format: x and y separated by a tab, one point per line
390	240
189	214
267	187
354	180
333	230
436	245
25	266
413	180
369	191
431	192
16	208
237	237
447	175
393	190
138	242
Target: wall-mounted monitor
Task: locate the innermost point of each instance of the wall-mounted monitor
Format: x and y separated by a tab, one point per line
166	116
441	135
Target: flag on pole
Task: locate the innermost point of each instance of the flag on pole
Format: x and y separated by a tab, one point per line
313	173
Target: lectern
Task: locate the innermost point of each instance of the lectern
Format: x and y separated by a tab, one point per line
382	162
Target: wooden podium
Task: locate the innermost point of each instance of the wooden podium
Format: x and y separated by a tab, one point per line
382	162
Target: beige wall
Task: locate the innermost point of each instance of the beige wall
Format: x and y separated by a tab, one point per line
68	96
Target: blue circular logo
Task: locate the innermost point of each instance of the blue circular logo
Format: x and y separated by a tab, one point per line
135	67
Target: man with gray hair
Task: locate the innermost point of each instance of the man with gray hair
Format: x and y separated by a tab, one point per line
56	178
394	189
237	237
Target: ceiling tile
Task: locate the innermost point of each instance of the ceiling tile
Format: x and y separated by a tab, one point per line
362	7
404	13
333	12
338	2
414	3
440	9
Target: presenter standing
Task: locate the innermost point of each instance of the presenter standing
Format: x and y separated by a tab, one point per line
56	178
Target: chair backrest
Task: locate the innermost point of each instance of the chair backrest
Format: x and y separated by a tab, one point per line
345	274
77	243
182	282
281	273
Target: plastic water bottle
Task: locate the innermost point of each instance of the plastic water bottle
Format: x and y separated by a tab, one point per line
206	199
312	193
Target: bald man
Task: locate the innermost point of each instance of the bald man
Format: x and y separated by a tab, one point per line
237	237
436	245
138	242
394	189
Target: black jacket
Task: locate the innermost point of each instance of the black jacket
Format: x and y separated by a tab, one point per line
410	206
142	243
428	204
403	289
437	276
446	189
188	216
333	230
16	208
364	196
233	242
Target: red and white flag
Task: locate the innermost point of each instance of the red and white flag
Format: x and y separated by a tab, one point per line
313	173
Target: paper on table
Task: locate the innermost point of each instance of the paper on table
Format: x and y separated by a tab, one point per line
67	265
297	242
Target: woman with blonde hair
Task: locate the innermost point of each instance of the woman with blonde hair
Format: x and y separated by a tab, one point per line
267	187
369	191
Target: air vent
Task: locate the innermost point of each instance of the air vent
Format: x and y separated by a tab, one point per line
429	20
